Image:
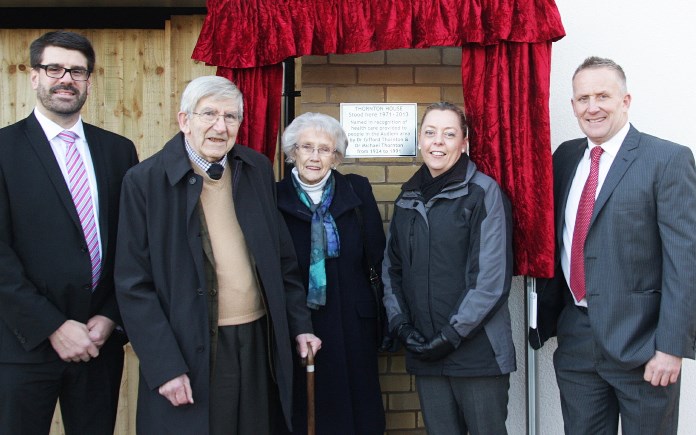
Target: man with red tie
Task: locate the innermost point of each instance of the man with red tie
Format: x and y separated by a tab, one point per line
623	298
60	183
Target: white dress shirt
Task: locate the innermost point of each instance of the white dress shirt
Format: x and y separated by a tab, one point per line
611	148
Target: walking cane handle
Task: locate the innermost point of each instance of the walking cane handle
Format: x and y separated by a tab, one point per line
310	359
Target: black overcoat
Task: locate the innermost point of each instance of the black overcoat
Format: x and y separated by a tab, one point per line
160	279
348	398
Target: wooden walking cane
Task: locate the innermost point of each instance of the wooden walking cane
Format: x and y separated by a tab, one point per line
309	362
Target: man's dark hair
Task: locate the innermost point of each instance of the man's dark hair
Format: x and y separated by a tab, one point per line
62	39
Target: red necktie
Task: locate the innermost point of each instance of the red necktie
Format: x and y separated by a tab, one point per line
82	197
582	224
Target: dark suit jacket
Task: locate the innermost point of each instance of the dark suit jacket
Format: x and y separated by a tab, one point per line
45	269
161	280
640	252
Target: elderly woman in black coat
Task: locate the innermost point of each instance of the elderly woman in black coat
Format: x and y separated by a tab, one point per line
335	225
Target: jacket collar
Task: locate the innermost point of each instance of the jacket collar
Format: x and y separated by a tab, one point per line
177	164
623	160
42	147
457	186
345	198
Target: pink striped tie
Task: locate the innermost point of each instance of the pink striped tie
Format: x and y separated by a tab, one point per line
79	189
582	225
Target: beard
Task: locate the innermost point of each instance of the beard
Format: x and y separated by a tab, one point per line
56	104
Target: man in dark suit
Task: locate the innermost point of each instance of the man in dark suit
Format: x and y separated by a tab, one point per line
60	182
623	299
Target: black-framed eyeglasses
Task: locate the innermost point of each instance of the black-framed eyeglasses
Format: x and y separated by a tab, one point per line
58	72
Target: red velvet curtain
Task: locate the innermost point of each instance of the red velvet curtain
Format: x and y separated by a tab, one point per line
506	59
507	97
261	89
251	33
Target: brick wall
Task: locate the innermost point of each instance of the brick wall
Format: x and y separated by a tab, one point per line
422	76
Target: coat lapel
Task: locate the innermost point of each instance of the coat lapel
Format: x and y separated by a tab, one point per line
42	148
289	202
247	205
622	161
178	169
345	199
568	171
96	150
194	187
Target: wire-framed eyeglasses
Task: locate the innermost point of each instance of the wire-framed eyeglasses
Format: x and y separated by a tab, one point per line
212	117
58	72
308	150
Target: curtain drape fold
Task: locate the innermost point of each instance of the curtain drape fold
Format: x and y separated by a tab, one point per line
507	95
506	61
261	88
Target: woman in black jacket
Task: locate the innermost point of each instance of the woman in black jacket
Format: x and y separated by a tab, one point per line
320	207
447	272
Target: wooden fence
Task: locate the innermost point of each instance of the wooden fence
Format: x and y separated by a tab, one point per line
136	89
136	85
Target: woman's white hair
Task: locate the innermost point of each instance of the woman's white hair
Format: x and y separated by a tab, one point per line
314	121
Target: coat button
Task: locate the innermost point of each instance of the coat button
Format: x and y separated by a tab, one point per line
200	292
19	336
200	349
212	332
192	180
213	291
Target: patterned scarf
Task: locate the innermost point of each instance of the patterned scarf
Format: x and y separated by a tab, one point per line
324	241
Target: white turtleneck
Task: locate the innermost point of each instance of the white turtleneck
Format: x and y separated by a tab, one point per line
314	191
